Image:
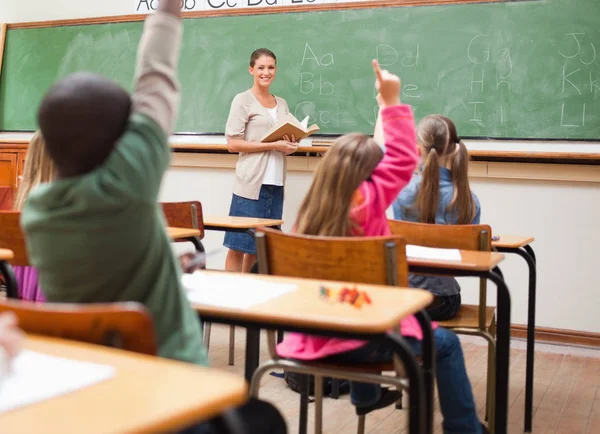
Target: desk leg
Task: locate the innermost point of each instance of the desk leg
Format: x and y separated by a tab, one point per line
197	244
304	391
10	281
529	257
252	352
416	396
428	356
502	353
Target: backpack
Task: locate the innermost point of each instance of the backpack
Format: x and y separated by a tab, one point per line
294	382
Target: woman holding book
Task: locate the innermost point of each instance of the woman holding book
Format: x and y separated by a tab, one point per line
261	168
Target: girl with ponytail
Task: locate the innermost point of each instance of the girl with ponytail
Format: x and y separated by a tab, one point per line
439	193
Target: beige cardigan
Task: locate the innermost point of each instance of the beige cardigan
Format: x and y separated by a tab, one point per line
249	120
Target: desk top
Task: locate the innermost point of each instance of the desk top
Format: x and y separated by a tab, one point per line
6	255
238	222
180	233
148	394
472	260
512	241
305	307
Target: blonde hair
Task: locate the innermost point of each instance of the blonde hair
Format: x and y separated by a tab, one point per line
39	168
438	138
325	210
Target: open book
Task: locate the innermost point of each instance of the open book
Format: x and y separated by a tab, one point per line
288	126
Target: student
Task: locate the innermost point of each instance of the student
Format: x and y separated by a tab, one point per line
97	233
38	169
364	181
261	168
439	193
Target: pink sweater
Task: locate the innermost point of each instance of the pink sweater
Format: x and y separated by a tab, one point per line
372	199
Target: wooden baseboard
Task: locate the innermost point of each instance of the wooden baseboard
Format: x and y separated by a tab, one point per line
559	336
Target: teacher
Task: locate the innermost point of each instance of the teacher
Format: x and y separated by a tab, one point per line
261	168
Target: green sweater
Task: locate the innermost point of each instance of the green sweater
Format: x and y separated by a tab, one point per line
100	238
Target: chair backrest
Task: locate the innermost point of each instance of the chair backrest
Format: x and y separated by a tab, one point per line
184	215
372	260
462	237
12	238
121	325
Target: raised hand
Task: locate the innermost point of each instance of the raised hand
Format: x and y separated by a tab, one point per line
388	86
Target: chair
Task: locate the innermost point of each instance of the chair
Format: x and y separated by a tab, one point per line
479	319
372	260
12	238
189	215
121	325
185	215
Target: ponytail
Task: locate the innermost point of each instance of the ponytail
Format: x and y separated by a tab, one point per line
462	207
427	198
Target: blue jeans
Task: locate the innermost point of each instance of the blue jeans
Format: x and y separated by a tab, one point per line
456	397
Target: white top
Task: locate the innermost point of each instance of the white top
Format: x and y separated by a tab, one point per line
274	170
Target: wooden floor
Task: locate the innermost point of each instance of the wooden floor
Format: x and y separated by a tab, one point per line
566	395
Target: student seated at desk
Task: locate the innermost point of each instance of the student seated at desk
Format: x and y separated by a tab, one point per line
38	169
97	233
354	185
439	193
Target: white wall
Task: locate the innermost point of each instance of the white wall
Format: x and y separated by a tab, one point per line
12	11
562	216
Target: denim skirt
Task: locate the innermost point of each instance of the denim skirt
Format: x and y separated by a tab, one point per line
269	205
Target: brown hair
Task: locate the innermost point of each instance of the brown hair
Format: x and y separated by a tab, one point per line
438	138
325	209
257	54
39	168
81	118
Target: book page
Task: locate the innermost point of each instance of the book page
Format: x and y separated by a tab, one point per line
304	123
231	291
35	377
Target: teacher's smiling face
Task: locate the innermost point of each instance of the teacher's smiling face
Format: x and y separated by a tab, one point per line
263	69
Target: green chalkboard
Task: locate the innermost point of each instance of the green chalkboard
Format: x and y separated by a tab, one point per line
505	70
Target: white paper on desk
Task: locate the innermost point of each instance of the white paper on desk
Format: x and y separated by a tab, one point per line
422	252
37	377
231	291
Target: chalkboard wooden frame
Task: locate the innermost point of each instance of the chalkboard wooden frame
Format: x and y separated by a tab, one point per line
250	11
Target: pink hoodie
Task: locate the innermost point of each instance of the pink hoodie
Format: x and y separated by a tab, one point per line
373	198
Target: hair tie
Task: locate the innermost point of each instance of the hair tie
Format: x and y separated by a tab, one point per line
458	140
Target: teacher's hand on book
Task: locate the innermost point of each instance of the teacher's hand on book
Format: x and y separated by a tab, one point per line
285	146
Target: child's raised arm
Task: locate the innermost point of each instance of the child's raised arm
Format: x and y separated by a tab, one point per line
400	159
156	90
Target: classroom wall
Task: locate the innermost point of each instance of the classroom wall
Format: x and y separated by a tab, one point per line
42	10
562	215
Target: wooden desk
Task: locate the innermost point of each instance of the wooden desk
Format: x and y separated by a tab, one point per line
148	394
178	234
6	255
187	234
304	311
472	261
512	242
521	246
482	264
230	222
238	224
7	273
